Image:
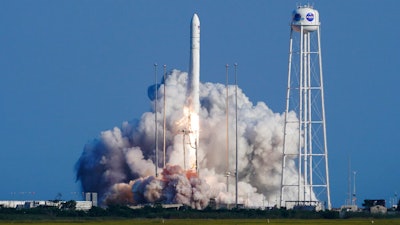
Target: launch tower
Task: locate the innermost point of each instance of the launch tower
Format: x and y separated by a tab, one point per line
305	96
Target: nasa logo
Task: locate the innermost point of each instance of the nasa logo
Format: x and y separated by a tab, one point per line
310	17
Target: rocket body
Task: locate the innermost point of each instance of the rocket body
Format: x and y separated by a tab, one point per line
193	101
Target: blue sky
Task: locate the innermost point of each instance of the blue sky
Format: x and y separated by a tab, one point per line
71	69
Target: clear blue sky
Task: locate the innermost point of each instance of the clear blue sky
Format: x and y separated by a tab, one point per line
71	69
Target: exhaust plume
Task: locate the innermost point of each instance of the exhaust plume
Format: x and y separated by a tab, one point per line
119	164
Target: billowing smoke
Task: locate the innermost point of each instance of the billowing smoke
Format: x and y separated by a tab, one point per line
119	164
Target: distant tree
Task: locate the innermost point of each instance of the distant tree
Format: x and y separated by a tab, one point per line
58	197
97	212
69	205
120	210
368	203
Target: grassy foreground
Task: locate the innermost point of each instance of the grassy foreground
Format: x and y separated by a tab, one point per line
209	222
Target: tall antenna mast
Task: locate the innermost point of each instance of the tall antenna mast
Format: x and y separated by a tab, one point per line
305	96
354	188
164	144
228	173
155	118
236	144
349	202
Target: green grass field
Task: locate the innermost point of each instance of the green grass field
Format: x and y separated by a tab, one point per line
209	222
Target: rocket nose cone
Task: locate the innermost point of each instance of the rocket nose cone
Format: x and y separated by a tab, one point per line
195	18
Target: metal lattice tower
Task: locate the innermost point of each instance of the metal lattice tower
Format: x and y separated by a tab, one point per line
305	142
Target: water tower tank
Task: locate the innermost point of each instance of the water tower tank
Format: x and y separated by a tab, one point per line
307	17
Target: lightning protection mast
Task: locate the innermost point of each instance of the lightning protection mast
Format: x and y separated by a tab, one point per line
305	143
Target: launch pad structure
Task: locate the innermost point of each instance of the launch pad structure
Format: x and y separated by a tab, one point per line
305	96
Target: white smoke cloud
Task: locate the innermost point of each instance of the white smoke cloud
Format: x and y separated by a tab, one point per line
121	160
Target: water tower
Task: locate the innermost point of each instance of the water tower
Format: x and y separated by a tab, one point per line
305	141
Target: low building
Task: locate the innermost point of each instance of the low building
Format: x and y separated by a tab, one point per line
378	209
83	205
11	204
80	205
349	208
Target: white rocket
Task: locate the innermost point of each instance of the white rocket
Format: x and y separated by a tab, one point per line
194	69
193	101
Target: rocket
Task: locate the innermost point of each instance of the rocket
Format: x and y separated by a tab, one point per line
194	68
193	101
